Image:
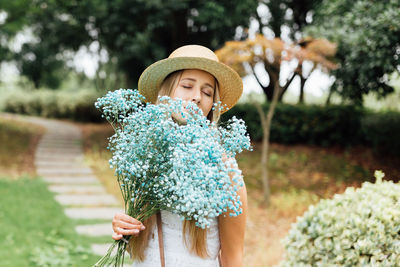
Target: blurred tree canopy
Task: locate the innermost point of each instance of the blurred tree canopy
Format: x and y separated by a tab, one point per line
293	14
368	37
135	33
273	53
285	20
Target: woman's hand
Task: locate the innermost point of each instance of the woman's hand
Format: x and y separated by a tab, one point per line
123	224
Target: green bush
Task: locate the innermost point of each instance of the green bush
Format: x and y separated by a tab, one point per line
382	131
360	227
76	105
312	124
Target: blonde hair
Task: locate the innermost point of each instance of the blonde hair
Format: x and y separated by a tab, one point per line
194	237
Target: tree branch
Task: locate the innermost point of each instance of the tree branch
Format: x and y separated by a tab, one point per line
258	80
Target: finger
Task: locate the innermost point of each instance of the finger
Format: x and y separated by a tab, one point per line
116	236
126	232
127	226
127	218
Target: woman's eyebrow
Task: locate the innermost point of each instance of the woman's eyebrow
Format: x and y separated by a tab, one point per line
194	80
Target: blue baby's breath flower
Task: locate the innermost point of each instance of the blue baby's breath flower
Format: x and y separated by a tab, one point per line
179	167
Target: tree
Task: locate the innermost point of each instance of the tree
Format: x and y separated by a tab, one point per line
294	15
136	33
272	53
39	65
54	32
368	37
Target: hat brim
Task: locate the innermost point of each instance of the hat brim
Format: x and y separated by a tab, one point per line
229	82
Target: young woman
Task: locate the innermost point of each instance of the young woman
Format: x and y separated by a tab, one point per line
191	73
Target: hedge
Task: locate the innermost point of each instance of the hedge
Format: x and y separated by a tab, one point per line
292	124
325	126
75	105
382	131
316	125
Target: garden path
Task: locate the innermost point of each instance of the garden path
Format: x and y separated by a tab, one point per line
59	159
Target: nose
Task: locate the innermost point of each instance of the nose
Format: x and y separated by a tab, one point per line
196	96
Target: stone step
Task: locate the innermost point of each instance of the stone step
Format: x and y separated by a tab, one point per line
56	150
61	143
72	180
77	189
102	229
63	172
51	137
92	213
58	153
59	164
86	200
58	157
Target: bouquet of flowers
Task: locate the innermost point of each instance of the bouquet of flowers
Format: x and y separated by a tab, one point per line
164	165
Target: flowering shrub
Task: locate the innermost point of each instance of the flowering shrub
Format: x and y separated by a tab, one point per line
357	228
179	167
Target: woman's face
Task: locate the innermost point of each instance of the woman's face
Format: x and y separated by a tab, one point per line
197	86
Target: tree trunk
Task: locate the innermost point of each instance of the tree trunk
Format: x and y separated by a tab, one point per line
328	100
269	91
302	83
266	125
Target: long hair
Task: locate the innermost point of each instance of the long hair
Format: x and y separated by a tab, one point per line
194	238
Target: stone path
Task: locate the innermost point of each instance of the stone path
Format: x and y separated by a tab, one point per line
59	160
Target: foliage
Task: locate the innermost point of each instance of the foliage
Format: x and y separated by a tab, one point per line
358	228
382	130
37	55
76	105
135	33
309	124
273	53
35	230
368	35
272	17
39	64
293	14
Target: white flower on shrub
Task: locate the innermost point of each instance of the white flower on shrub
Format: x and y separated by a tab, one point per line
360	227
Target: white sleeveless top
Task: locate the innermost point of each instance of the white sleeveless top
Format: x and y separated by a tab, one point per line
175	252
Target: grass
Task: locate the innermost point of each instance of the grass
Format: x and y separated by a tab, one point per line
18	143
299	176
36	232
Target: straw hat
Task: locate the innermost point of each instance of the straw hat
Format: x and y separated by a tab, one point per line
192	57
